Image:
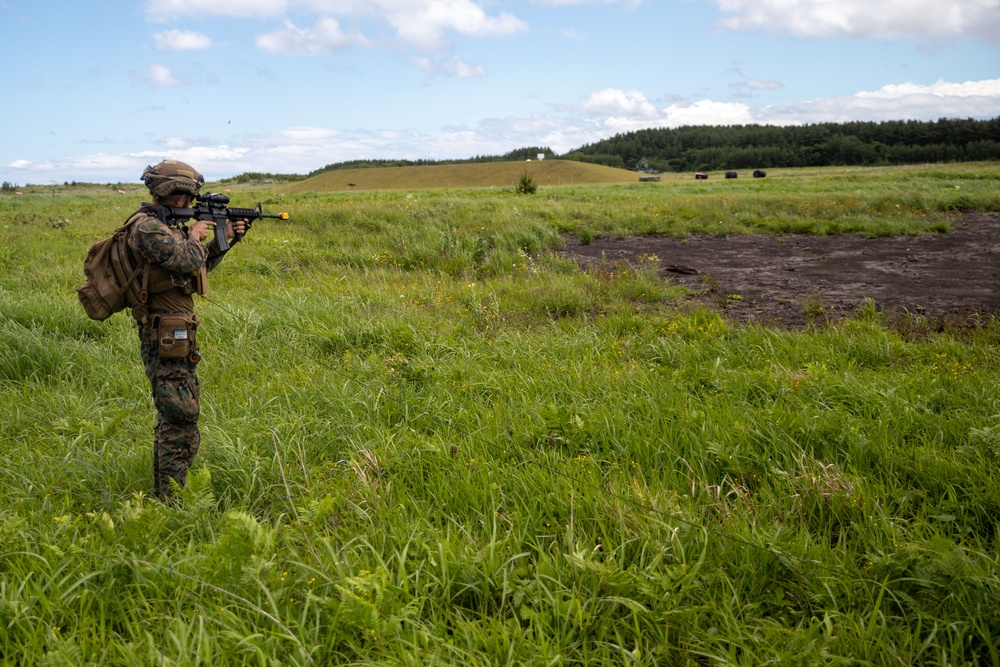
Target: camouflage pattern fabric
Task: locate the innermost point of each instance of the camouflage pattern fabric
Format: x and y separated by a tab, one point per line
171	251
176	395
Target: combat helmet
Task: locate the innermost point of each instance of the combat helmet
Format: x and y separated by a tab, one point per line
172	176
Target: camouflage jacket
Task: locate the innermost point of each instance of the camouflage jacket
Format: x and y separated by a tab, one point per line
177	261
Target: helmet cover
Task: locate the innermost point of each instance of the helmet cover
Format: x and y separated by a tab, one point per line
172	176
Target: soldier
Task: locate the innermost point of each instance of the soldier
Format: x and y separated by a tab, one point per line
178	262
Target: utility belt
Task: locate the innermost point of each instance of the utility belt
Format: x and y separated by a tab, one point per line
175	334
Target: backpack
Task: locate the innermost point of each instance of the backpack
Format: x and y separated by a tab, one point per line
111	272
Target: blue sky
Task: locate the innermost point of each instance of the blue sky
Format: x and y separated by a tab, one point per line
98	90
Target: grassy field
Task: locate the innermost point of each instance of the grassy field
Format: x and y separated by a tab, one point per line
429	440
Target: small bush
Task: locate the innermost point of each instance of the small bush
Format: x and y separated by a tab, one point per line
526	186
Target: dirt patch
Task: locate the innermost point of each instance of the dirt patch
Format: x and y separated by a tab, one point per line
791	280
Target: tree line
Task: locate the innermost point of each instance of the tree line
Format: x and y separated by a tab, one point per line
516	155
706	148
714	147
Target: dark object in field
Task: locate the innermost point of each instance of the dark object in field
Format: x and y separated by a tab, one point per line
731	174
681	268
759	173
700	175
647	179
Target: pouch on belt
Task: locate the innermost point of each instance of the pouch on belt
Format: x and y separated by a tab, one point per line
175	334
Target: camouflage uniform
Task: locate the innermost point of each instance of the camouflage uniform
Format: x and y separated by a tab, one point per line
174	382
178	267
176	395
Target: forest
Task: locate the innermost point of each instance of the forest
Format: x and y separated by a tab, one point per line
705	148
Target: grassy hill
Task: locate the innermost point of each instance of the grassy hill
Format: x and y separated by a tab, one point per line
479	175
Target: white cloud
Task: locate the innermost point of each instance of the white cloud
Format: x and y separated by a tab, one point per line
181	40
612	101
865	18
452	67
325	36
174	143
942	89
213	161
757	84
160	76
749	88
97	168
909	101
629	4
459	69
424	23
421	23
422	62
171	10
706	112
628	112
305	135
616	111
210	159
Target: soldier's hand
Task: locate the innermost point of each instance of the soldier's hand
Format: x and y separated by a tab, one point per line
200	229
237	227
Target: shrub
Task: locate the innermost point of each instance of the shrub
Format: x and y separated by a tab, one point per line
526	186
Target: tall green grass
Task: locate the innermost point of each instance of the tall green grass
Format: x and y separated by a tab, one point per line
427	440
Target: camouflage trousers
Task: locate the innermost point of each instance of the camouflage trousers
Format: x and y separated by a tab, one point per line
176	395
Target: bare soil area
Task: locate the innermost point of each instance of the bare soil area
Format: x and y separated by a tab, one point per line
792	280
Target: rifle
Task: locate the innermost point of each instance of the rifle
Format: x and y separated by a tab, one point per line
213	207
